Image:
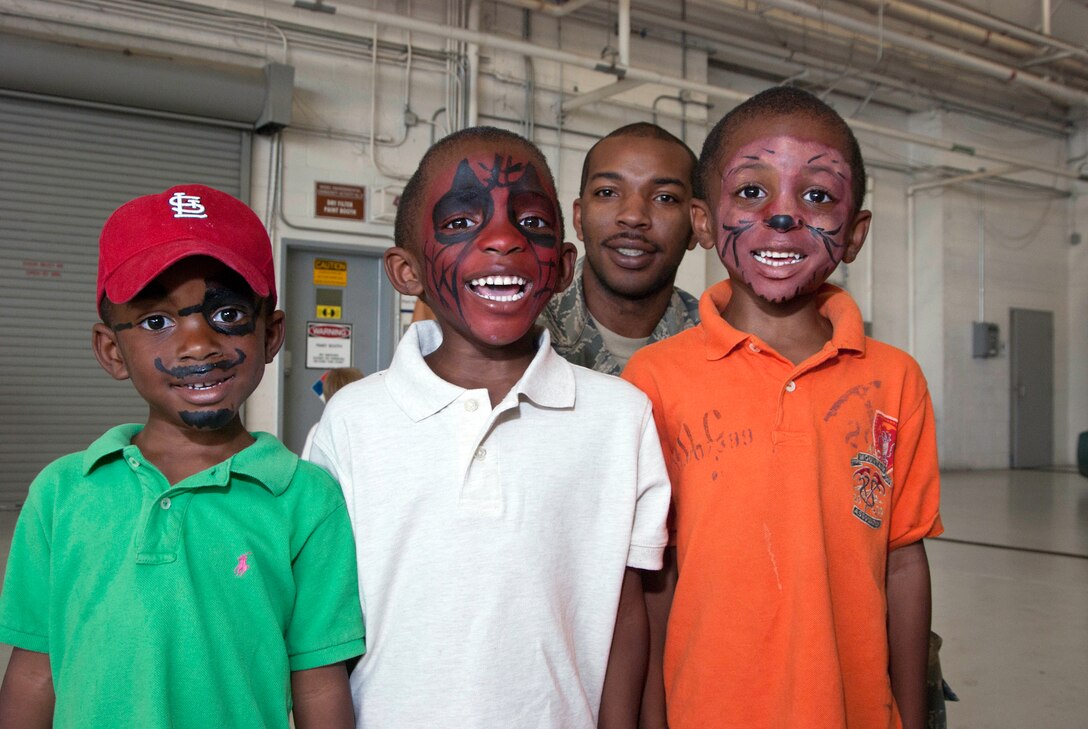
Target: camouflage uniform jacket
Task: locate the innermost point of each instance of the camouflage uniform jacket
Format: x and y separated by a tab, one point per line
575	336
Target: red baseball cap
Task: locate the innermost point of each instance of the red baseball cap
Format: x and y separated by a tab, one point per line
145	236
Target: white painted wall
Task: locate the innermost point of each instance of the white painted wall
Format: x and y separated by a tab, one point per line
1028	259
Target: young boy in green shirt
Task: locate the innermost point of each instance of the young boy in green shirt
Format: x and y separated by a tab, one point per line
186	572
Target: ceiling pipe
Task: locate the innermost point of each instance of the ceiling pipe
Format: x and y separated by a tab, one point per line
727	45
623	32
550	8
1002	26
972	32
599	94
341	24
964	60
473	52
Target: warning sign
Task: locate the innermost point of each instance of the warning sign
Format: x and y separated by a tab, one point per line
330	272
340	201
327	345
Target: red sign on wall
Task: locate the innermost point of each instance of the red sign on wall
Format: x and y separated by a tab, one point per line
340	201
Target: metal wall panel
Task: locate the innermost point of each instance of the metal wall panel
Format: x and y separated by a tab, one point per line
63	169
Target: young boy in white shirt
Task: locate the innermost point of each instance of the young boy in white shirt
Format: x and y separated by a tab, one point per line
502	499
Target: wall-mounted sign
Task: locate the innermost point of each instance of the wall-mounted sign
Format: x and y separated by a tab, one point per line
339	201
327	345
330	272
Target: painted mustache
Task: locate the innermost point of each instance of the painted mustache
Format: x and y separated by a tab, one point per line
184	371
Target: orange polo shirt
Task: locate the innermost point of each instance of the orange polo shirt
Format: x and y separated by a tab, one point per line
790	485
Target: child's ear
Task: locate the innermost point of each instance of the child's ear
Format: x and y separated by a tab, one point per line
275	329
403	270
568	256
856	237
108	352
701	225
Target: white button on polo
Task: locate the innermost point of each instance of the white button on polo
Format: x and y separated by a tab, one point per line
471	405
480	453
165	503
134	462
752	346
791	386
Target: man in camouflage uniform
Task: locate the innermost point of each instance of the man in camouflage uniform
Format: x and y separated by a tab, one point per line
632	214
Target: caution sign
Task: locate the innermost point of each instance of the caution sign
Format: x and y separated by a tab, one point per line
327	345
330	312
330	272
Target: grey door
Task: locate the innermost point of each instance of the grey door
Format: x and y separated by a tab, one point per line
1031	373
331	292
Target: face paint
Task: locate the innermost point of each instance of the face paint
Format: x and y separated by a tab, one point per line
491	251
784	209
202	369
193	344
207	419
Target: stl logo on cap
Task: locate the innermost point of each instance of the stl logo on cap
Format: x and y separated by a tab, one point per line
148	234
187	206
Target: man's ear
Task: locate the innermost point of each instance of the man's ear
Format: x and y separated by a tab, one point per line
856	237
108	352
273	337
568	256
403	270
578	218
701	225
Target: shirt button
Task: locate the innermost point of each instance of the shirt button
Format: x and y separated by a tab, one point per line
791	386
752	346
480	453
471	405
165	503
134	462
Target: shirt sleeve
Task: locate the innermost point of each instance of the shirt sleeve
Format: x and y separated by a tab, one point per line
327	622
24	601
648	537
916	478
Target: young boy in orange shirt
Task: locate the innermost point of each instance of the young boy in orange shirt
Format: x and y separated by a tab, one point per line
802	454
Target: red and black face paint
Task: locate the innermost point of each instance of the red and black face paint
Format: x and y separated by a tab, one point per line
494	227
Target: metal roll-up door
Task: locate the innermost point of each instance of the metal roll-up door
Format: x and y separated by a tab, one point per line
63	170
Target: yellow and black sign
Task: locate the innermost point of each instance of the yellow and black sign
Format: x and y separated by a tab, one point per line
329	312
328	272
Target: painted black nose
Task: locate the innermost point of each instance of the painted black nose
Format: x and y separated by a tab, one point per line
781	223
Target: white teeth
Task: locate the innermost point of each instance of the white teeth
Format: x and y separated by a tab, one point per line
201	386
494	297
499	281
475	285
632	252
777	258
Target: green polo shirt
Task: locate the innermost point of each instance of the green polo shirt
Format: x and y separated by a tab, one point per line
185	605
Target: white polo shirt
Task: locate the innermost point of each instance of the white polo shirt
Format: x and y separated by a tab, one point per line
492	542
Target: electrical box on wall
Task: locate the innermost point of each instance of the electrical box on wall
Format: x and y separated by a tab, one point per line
384	202
984	339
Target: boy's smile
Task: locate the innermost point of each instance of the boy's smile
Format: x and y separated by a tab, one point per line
785	214
492	248
193	342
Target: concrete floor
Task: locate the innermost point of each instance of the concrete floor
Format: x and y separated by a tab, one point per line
1010	597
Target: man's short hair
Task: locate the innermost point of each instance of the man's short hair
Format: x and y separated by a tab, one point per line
772	102
406	224
644	130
